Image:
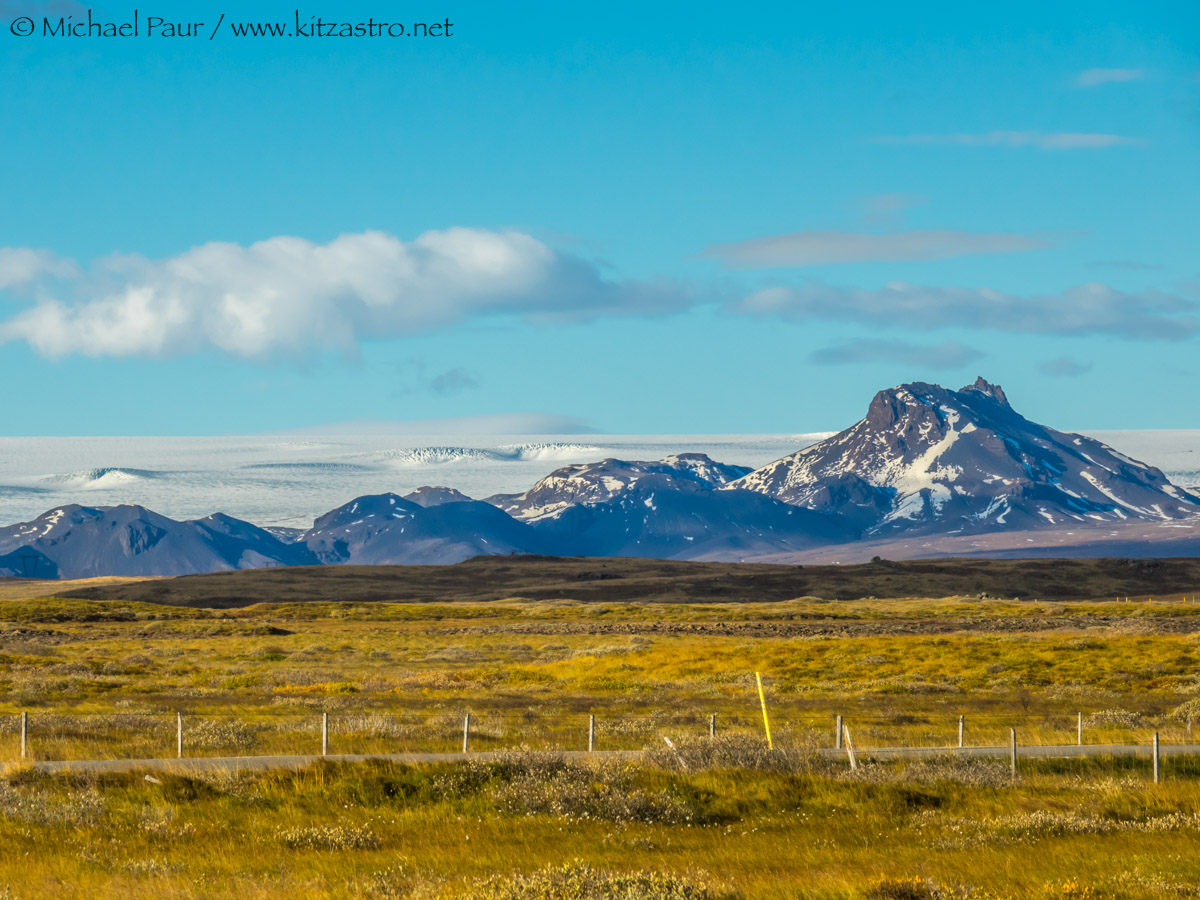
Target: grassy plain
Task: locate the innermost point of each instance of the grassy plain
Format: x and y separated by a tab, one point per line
105	678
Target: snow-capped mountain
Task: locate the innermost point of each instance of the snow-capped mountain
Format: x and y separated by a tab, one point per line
83	542
932	459
604	481
388	529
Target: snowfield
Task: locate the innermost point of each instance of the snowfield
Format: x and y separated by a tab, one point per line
275	481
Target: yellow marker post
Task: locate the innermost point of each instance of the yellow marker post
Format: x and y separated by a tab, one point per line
763	702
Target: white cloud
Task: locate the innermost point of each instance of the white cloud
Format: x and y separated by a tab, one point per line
1087	309
814	248
289	296
948	355
1096	77
1039	139
20	266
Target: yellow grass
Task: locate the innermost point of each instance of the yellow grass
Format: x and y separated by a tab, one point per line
105	680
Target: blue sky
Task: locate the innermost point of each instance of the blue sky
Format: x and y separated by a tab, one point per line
693	218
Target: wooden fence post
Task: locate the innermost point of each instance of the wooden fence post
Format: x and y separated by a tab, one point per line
762	700
961	727
1012	751
24	735
324	734
1156	757
466	733
712	725
850	749
837	735
179	735
591	733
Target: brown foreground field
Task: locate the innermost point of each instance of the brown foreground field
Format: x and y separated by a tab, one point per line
397	657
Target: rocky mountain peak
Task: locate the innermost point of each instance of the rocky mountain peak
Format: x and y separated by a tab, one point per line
933	459
982	386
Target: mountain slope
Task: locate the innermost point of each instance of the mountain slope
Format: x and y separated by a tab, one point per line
84	542
928	459
674	518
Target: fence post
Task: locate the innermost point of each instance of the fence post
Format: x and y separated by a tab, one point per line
1012	751
1156	757
762	700
850	750
712	725
837	735
591	733
24	735
1079	729
179	735
324	734
961	726
466	733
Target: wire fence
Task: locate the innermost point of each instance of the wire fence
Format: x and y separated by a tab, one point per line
56	736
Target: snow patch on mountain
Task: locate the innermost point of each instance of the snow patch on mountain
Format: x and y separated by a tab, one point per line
604	481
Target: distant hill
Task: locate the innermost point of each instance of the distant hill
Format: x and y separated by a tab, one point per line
84	542
673	581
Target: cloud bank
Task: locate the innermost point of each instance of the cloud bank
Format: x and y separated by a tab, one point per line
289	296
1088	309
20	266
814	248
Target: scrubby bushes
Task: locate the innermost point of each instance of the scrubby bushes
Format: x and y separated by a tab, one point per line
579	881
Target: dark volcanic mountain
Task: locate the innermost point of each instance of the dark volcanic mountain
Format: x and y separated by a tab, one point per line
932	460
83	542
386	528
673	518
601	482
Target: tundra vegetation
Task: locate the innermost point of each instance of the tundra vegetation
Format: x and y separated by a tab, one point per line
719	819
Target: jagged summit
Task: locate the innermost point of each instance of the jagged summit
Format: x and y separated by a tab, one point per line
926	457
982	386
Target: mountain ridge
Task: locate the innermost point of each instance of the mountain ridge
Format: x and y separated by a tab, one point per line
924	470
